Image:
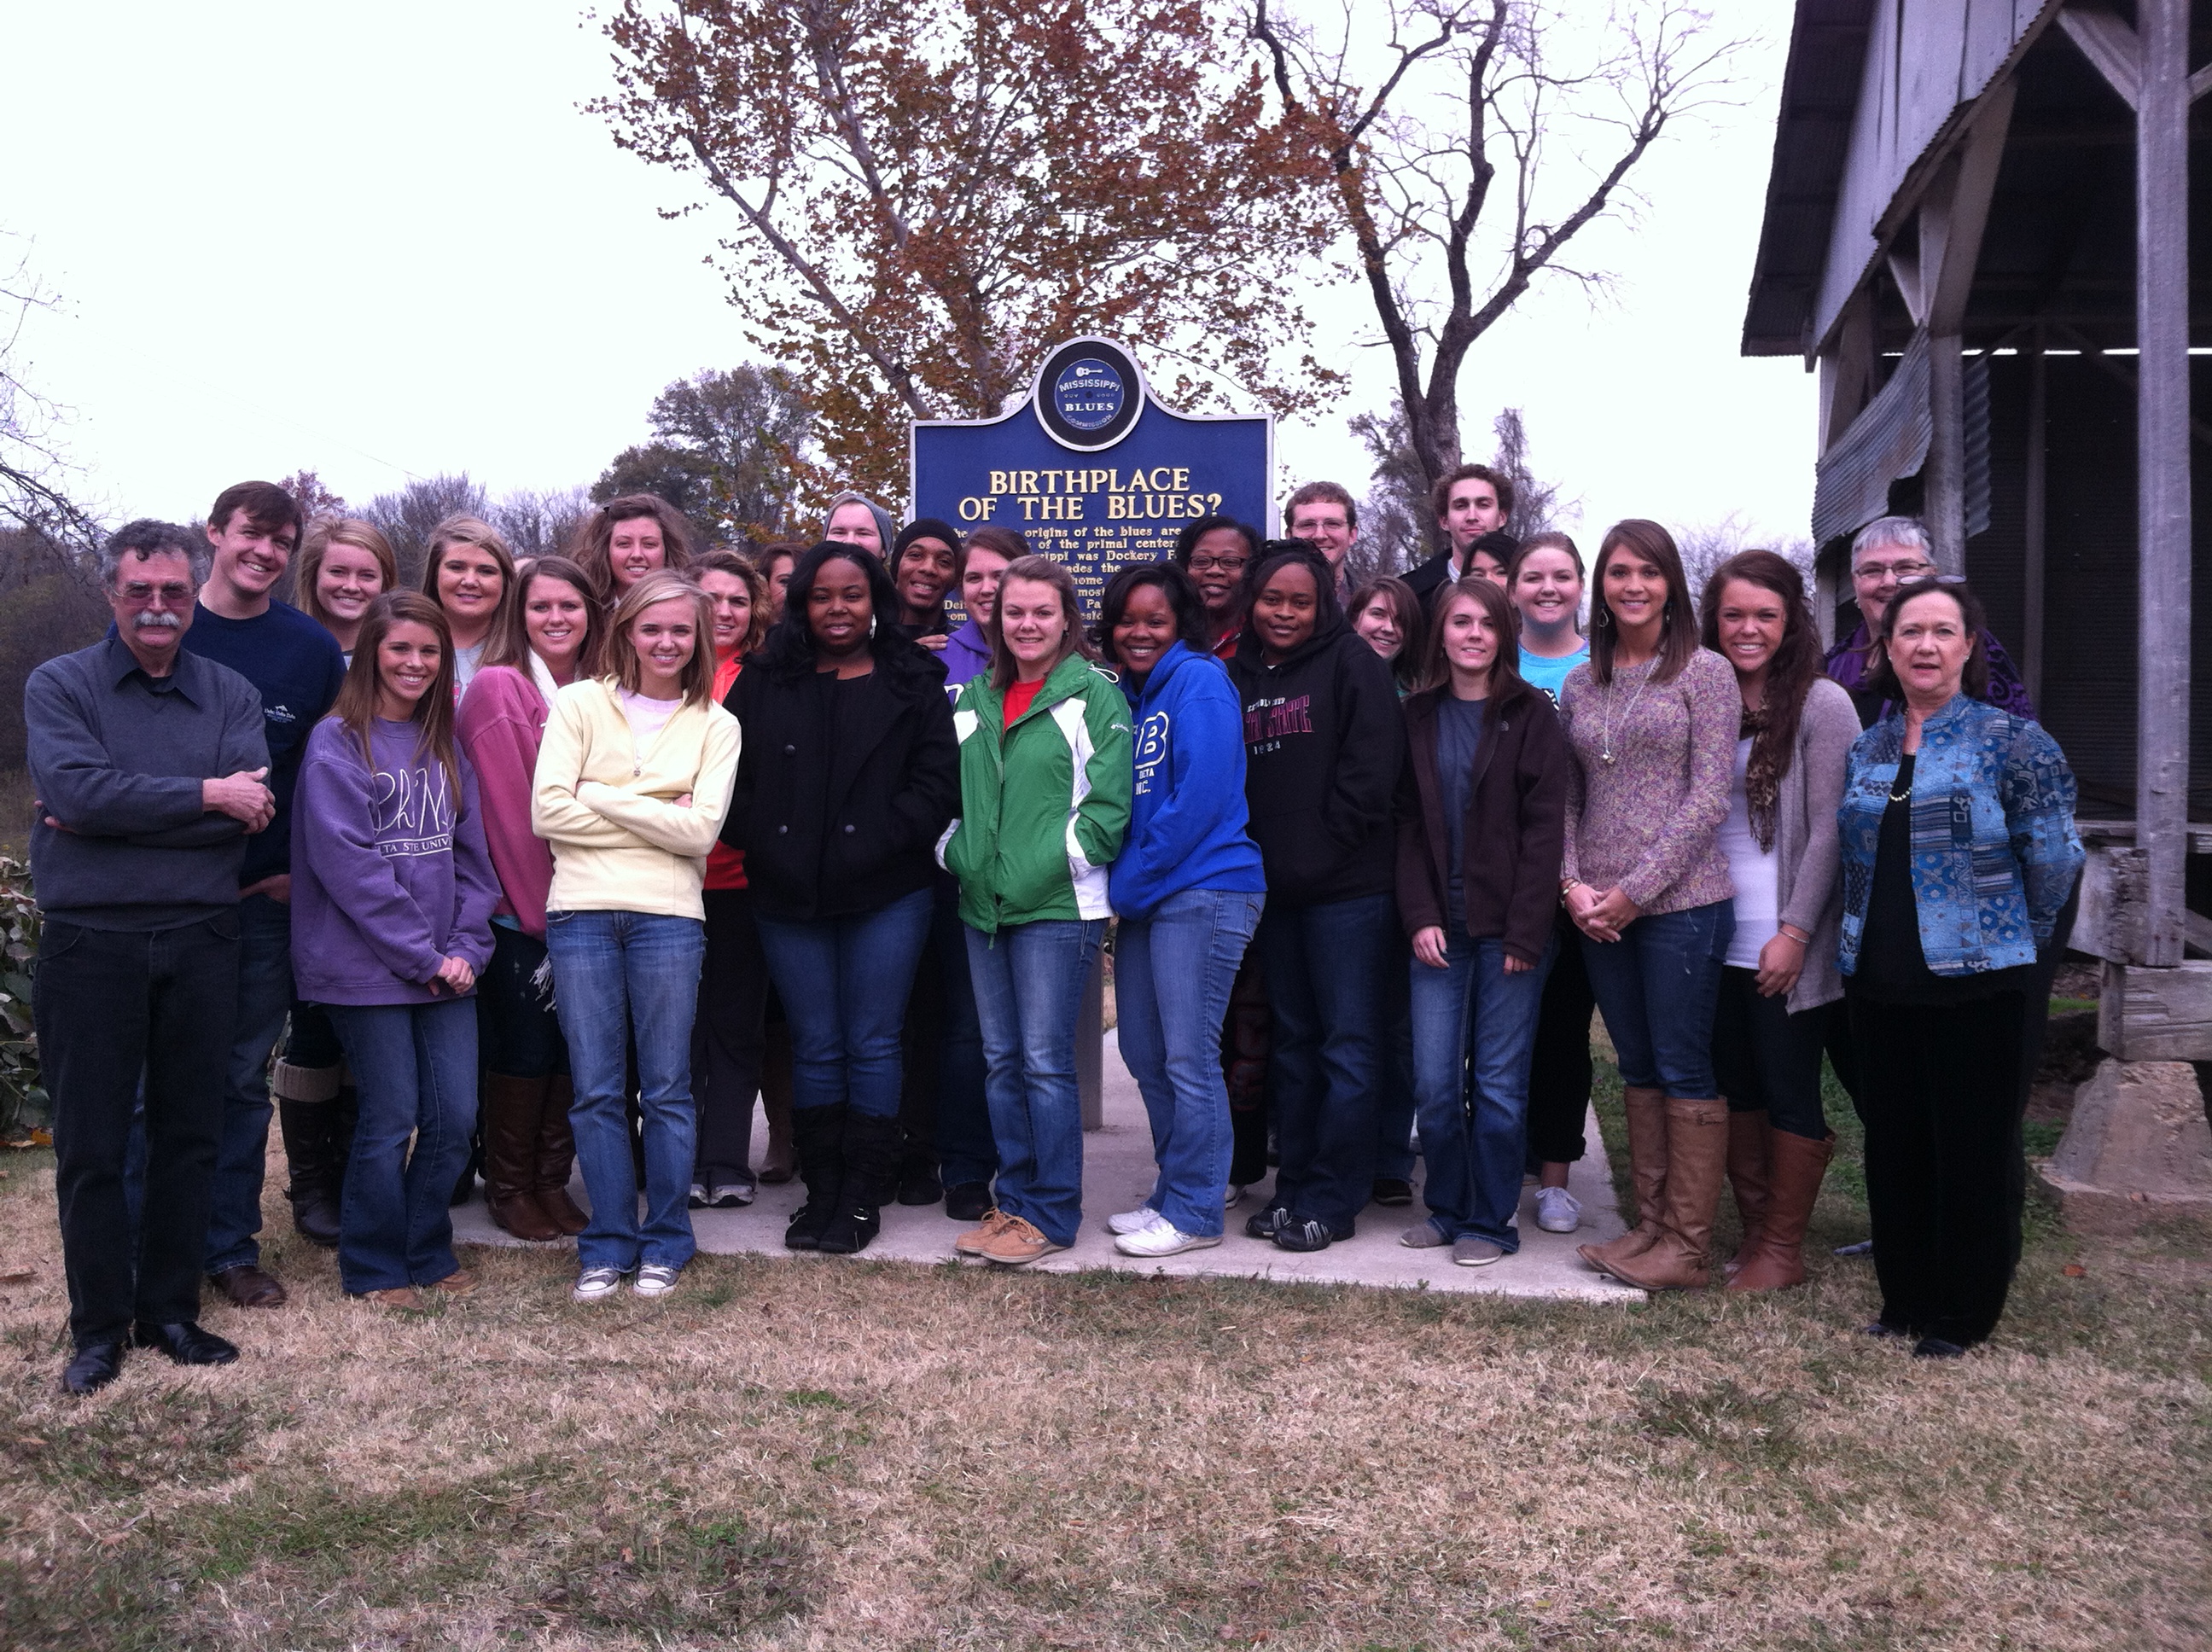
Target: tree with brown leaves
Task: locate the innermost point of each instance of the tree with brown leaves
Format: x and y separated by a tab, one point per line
1466	157
922	196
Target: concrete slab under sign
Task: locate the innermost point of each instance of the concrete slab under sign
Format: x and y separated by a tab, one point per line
1117	1174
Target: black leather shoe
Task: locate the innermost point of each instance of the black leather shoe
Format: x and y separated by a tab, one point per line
248	1286
184	1343
919	1184
93	1368
1937	1348
967	1201
1307	1233
1391	1190
1266	1224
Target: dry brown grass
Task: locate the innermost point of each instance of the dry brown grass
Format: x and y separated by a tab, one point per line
808	1452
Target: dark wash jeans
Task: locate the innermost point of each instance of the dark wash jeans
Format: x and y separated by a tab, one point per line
1329	1014
1765	1059
517	1029
1474	1029
729	1038
264	999
1658	986
109	1005
415	1066
844	983
965	1150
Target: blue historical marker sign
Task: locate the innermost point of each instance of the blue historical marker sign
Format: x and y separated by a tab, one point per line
1093	471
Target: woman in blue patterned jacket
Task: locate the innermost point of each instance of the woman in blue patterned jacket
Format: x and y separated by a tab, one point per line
1959	849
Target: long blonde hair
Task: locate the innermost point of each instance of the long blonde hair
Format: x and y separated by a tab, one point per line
661	586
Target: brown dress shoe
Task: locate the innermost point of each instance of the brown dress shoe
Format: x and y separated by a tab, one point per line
396	1299
459	1283
248	1286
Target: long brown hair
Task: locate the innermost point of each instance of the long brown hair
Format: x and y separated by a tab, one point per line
663	585
1491	597
510	644
1678	625
1410	660
1773	728
325	531
718	561
1042	570
589	549
356	706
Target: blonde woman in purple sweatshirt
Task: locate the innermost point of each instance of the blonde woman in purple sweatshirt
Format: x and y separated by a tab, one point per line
392	893
1652	717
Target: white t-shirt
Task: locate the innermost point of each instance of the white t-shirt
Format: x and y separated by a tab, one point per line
647	717
465	661
1755	872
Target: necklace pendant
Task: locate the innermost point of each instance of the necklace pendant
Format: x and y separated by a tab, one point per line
1605	757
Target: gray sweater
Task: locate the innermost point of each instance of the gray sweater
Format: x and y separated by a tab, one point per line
1808	851
117	757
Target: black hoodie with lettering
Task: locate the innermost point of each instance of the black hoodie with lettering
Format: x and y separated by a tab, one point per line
1324	744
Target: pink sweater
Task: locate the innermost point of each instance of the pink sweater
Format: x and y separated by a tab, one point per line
1648	821
502	721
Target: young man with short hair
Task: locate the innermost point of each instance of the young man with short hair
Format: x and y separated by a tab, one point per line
296	665
1325	515
151	768
1469	503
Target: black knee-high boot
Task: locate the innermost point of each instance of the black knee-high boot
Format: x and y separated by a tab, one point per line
872	1147
818	1133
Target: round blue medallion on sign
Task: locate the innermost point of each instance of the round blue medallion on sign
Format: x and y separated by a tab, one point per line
1089	394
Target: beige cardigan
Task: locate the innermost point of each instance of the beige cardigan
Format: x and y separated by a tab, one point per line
1809	850
620	842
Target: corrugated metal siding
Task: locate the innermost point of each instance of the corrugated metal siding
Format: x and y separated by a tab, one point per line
1888	439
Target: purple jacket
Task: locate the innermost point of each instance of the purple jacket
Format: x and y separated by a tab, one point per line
967	653
389	879
1847	663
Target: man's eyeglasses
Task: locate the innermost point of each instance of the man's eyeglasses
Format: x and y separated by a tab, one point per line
1876	572
139	594
1219	564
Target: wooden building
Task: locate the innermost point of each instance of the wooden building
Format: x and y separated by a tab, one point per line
1977	233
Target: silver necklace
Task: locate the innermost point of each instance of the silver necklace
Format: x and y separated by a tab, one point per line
1605	736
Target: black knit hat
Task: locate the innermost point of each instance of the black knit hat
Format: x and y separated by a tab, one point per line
923	527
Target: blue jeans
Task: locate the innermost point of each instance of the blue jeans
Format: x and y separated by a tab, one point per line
1657	986
844	983
965	1150
414	1066
1474	1034
264	997
1172	974
1029	991
1329	1008
616	975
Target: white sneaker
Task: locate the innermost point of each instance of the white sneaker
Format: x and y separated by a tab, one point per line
1233	1196
596	1285
655	1279
1558	1211
1163	1239
1134	1221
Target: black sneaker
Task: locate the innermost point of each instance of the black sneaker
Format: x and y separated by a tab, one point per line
1266	1224
967	1201
919	1185
1392	1190
1309	1233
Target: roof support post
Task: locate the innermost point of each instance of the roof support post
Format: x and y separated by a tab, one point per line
2036	523
2163	415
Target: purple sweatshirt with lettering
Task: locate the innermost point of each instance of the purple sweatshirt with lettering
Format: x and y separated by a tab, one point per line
390	874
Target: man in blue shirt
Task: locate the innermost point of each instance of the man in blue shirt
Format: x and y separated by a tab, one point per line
295	664
150	764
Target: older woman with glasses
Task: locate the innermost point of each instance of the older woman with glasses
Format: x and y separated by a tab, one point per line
1890	552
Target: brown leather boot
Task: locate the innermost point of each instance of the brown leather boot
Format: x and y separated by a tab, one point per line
1697	1163
1800	1163
1647	1170
1748	1175
556	1158
782	1157
511	1110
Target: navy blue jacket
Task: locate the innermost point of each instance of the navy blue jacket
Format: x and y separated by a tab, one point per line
1187	819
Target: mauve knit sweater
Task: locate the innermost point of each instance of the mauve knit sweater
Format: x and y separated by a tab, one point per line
1649	822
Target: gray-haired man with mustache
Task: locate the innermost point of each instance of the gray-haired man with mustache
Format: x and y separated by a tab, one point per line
150	767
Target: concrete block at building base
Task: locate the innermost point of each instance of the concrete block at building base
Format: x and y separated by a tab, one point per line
2137	1151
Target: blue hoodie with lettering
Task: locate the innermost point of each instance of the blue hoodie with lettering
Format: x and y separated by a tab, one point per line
1187	819
390	873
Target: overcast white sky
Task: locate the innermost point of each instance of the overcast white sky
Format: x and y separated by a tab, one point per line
381	239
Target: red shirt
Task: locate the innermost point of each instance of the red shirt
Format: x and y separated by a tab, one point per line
1226	648
1019	698
725	866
